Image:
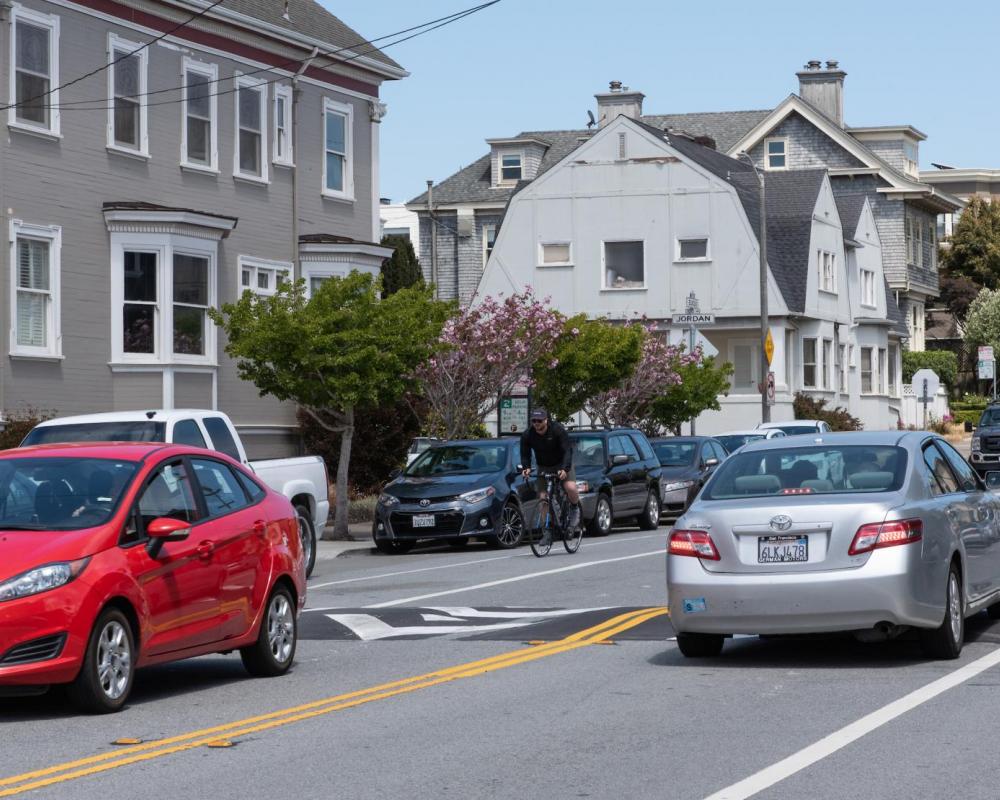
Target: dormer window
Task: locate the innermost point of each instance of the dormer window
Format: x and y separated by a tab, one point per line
910	158
776	153
511	167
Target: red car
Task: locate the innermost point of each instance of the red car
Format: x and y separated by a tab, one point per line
118	556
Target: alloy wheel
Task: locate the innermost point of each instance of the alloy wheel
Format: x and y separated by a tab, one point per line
511	526
955	607
280	628
603	515
114	660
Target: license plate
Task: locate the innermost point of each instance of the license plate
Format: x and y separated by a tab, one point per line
423	520
782	549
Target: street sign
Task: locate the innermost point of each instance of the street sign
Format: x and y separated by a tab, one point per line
769	347
925	383
513	414
770	386
986	370
986	353
694	319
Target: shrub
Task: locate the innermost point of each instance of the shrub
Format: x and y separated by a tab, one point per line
361	509
967	416
838	419
940	426
943	362
17	425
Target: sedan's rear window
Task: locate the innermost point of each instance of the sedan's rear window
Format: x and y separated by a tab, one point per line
824	469
795	430
138	431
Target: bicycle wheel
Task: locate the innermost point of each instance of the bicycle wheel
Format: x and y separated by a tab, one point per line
540	532
572	538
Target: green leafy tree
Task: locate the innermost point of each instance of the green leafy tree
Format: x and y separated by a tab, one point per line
401	269
341	350
982	325
699	390
592	356
975	244
943	362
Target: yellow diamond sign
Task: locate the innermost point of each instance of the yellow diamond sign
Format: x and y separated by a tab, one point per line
769	347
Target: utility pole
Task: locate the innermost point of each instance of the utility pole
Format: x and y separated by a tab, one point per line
430	212
765	367
296	96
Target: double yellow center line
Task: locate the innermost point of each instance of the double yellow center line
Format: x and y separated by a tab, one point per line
148	751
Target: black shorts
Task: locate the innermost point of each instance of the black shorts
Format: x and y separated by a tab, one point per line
540	483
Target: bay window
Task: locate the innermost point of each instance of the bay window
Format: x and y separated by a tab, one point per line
809	363
867	365
261	276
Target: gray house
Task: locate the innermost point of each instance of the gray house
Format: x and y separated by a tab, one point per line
143	182
806	131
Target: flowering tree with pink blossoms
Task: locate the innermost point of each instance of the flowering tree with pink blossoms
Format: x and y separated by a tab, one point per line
484	352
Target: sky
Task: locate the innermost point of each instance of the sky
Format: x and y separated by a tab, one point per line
536	65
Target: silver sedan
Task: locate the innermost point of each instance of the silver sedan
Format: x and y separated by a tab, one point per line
865	532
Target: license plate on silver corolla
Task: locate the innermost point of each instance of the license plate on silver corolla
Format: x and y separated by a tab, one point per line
782	549
423	520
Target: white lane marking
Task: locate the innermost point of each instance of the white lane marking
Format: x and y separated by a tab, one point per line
828	745
616	540
477	613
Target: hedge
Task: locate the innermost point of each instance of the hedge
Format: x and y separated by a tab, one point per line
943	362
966	416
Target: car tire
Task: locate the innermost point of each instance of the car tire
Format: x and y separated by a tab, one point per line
307	535
108	670
391	547
700	645
649	519
510	528
945	641
603	519
273	652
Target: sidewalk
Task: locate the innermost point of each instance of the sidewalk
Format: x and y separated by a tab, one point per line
360	539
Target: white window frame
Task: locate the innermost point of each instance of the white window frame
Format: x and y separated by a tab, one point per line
828	364
164	245
487	250
310	271
784	153
681	239
932	238
210	71
872	369
604	267
501	181
868	298
115	42
825	258
815	364
259	85
842	368
286	159
51	22
568	262
333	107
53	325
918	225
882	377
912	165
916	325
256	266
892	379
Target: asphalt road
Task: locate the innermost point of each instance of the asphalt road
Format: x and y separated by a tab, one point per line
483	674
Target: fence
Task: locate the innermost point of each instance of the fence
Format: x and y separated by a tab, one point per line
912	410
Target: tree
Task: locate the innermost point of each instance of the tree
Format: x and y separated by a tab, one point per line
483	352
975	244
957	292
982	325
593	356
402	268
700	385
338	351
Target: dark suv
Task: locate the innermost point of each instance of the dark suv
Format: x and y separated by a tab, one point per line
619	478
985	455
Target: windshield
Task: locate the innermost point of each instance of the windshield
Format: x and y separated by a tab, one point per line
60	494
588	451
990	418
845	469
795	430
137	431
675	454
458	459
736	441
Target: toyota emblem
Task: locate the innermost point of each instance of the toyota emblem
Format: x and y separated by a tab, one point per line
782	522
426	502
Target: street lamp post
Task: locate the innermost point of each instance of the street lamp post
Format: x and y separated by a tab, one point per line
765	367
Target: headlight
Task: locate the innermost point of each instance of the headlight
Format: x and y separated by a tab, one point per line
673	487
387	499
977	443
477	495
582	487
41	579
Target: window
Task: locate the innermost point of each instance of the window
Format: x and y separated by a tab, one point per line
866	370
910	157
127	88
190	311
776	156
745	357
961	468
187	432
827	363
932	238
252	488
261	276
251	130
891	368
624	266
35	292
942	479
643	444
914	242
826	263
168	494
556	254
692	250
222	492
916	326
221	437
809	363
199	136
489	239
880	371
510	167
139	311
868	288
283	143
842	368
34	71
338	174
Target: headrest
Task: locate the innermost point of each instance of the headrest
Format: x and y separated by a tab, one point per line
757	484
876	481
817	485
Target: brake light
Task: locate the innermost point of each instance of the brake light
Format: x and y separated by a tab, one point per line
692	543
886	534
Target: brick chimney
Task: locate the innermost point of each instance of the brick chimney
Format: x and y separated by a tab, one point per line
618	100
824	88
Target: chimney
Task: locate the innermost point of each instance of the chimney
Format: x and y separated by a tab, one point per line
618	100
824	88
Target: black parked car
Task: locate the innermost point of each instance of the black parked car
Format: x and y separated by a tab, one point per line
687	463
455	491
619	478
985	456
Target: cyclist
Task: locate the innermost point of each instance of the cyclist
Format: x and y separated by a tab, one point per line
553	453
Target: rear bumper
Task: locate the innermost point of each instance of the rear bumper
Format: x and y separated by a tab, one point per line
887	588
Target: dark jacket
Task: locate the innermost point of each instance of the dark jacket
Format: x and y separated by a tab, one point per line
552	449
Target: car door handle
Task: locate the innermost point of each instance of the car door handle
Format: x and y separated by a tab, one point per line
259	527
205	549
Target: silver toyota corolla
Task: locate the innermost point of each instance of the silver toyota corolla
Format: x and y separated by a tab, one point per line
867	532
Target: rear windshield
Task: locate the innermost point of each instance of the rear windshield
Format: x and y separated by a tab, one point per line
675	454
139	431
732	443
824	469
458	460
795	430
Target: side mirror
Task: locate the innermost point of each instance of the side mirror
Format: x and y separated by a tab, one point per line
711	462
165	529
618	460
395	474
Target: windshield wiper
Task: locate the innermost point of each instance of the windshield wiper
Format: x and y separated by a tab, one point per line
21	528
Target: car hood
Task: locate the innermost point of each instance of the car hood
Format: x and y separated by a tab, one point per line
21	551
671	474
439	485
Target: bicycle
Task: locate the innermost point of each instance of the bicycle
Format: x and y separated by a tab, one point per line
551	517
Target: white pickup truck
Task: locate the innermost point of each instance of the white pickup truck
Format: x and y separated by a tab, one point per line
302	480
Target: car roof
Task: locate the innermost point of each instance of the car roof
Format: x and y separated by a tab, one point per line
671	439
872	438
125	451
507	442
800	422
747	432
158	415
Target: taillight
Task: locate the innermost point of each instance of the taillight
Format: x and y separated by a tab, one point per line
692	543
886	534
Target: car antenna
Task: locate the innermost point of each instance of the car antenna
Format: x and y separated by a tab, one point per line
150	414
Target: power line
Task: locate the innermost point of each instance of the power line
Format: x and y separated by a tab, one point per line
420	30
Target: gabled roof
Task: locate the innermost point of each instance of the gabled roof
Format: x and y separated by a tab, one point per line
850	206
